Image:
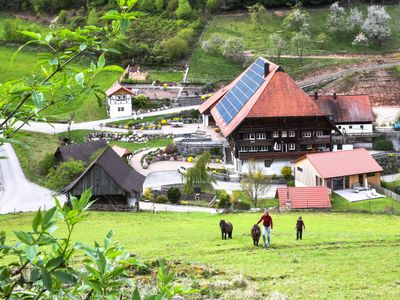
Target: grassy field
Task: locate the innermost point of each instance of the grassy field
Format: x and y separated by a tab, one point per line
158	143
85	107
20	24
373	205
342	256
165	76
137	121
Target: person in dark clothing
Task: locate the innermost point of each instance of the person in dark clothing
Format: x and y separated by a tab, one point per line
299	228
267	227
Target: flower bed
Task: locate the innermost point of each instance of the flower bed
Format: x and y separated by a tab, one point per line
124	137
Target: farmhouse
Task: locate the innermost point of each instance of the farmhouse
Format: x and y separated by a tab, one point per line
111	179
303	197
337	170
82	151
119	101
267	117
352	114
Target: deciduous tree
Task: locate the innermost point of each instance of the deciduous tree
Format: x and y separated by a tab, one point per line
337	18
278	45
197	176
254	182
300	42
258	15
184	10
376	26
297	20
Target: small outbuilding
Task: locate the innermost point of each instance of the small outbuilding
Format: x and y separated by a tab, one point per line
303	197
337	170
82	151
119	101
111	180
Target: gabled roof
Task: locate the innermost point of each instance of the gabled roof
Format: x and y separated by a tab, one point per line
343	163
82	151
117	87
122	152
347	108
304	197
276	96
124	175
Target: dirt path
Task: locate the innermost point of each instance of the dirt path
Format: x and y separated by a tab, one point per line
383	57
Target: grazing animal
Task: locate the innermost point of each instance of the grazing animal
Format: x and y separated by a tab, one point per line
255	234
226	229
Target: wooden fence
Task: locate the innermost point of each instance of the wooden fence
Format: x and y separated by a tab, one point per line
391	177
387	192
110	207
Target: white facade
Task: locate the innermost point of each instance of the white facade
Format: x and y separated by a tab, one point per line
268	166
119	105
355	128
344	147
205	120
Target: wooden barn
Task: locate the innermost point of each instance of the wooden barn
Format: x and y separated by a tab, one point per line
82	151
112	180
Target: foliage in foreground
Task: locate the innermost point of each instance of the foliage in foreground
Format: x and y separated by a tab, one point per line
44	266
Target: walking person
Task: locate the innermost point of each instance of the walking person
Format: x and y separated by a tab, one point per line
299	228
266	227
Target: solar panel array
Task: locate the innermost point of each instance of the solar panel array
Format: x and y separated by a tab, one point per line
242	91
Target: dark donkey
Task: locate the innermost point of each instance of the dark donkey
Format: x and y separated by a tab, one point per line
226	229
255	234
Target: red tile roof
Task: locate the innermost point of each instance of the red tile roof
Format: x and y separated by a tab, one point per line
278	96
304	197
347	108
115	88
343	163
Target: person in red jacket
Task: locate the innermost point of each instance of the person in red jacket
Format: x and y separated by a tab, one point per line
266	227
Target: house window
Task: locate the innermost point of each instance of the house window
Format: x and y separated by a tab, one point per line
362	126
261	136
249	136
299	169
275	134
253	148
372	174
350	127
319	133
120	108
268	163
284	133
263	148
307	134
277	147
316	180
339	146
320	147
292	133
340	127
243	149
309	147
292	147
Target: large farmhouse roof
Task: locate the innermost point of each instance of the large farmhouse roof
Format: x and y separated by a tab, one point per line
343	163
117	87
346	108
82	151
262	90
124	175
304	197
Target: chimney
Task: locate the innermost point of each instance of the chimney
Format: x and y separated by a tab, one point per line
334	96
316	95
266	69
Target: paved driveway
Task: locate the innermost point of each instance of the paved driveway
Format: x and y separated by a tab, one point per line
17	193
175	208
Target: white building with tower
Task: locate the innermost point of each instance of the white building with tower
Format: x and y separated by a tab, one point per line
119	101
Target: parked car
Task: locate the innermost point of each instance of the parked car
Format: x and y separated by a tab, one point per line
182	170
396	126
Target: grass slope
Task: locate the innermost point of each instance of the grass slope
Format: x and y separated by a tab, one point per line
342	255
373	205
85	106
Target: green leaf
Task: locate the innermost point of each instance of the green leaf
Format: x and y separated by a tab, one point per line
37	98
80	79
24	237
31	34
31	251
102	61
46	279
64	277
47	219
113	68
54	262
37	219
82	46
136	295
35	274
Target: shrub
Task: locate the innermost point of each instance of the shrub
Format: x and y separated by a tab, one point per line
46	164
397	190
60	177
176	48
184	9
190	159
382	143
287	172
233	50
291	183
224	199
216	151
161	199
212	5
170	149
174	195
243	206
148	194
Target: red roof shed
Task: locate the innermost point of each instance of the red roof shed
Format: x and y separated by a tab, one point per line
304	197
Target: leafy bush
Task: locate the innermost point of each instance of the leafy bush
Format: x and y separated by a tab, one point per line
161	199
286	172
397	190
174	195
382	143
291	183
224	199
243	205
46	164
65	173
170	149
176	48
216	151
148	194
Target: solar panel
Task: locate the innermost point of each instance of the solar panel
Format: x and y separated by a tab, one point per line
243	90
